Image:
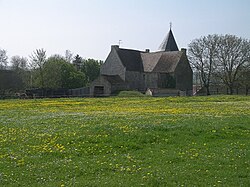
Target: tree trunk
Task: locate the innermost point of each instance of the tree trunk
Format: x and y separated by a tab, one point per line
208	90
231	91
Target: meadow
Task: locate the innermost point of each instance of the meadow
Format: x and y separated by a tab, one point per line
136	141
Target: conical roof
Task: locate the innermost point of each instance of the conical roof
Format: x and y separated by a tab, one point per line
169	43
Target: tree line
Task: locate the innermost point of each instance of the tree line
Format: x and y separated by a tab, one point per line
54	72
221	60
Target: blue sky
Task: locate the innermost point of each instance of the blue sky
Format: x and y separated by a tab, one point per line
90	27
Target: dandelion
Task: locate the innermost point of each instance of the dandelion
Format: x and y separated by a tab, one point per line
128	169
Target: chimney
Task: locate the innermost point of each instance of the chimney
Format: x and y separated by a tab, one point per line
147	50
184	50
116	47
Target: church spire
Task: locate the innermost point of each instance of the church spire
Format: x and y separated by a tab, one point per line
169	43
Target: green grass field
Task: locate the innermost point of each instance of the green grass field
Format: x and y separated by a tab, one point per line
143	141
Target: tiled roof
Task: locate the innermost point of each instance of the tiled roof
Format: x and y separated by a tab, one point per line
150	60
168	61
131	59
163	61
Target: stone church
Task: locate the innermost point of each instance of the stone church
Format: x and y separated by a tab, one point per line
164	72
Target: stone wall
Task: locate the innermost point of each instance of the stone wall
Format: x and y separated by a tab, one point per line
184	76
151	80
113	65
101	81
135	80
109	88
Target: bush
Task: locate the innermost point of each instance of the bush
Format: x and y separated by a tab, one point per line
130	94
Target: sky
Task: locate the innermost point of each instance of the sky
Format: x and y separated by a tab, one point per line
90	27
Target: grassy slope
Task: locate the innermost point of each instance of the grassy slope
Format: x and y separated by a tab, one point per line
193	141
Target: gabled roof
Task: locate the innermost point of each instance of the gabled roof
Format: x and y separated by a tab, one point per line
168	62
131	59
150	60
161	61
169	43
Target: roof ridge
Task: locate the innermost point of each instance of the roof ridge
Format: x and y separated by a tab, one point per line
131	50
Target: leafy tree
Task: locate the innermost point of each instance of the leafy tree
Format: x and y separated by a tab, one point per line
9	82
202	55
3	59
53	72
58	73
91	69
233	59
37	59
20	66
71	77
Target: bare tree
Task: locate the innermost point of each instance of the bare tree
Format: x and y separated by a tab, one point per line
233	58
68	56
37	60
3	59
201	54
